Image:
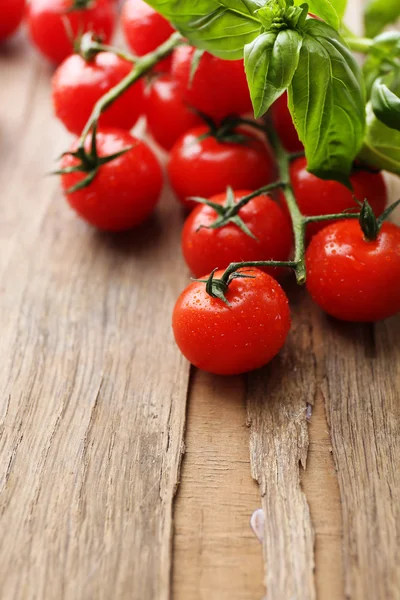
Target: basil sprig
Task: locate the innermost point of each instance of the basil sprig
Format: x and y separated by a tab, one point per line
284	50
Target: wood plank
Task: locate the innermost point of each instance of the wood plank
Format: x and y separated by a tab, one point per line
362	394
216	554
93	390
278	396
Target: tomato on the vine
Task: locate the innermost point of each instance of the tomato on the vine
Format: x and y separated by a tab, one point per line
51	24
200	164
219	87
354	279
125	190
233	339
318	197
283	123
77	85
145	29
168	117
12	12
204	248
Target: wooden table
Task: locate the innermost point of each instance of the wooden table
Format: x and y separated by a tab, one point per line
98	408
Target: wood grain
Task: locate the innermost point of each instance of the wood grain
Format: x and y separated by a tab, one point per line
362	393
216	554
93	391
277	408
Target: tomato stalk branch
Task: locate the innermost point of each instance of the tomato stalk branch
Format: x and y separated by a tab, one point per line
142	66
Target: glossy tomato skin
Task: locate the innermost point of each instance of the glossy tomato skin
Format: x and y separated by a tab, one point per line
283	123
205	167
12	12
219	87
317	197
48	32
145	30
205	249
78	84
228	340
168	117
353	279
125	191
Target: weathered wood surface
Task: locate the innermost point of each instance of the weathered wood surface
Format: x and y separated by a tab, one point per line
93	391
92	415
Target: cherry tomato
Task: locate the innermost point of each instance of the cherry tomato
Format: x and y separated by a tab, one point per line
168	117
78	84
282	121
145	30
318	197
47	21
228	340
354	279
124	191
219	87
12	12
204	249
204	166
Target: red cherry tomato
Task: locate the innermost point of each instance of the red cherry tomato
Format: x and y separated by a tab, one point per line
124	191
354	279
47	21
318	197
204	249
168	117
282	121
204	166
11	14
229	340
219	87
145	30
78	84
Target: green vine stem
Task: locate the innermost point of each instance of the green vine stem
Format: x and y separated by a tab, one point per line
362	45
142	66
298	220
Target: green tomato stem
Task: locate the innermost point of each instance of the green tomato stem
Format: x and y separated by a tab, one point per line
362	45
246	199
298	220
318	218
233	267
142	66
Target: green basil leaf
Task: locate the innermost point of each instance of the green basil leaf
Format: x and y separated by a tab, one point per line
381	145
223	27
323	9
378	14
340	7
385	104
382	57
270	62
327	102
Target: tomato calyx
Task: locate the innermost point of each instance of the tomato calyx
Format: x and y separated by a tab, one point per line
370	225
217	288
89	162
229	211
226	131
77	5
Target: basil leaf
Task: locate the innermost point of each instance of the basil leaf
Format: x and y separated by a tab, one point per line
385	104
222	27
383	55
270	62
323	9
378	14
381	145
340	7
327	102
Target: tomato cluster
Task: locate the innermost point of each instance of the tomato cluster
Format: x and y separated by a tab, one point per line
220	167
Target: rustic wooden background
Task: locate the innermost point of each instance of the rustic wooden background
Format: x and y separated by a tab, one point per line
97	409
